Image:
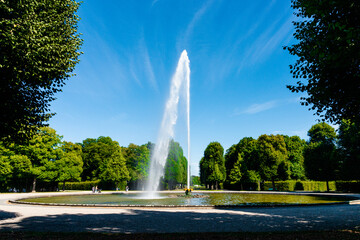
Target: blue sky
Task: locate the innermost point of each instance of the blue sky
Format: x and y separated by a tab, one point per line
239	72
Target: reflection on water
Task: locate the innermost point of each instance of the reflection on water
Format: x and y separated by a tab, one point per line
179	199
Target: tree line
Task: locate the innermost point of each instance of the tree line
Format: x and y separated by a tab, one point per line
46	160
325	156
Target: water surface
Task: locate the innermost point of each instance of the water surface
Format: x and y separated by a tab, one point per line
181	200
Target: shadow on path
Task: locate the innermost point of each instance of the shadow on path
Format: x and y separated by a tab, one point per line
234	220
6	215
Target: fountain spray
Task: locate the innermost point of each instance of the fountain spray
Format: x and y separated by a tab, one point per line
166	132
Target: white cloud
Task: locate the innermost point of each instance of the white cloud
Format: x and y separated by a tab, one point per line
256	108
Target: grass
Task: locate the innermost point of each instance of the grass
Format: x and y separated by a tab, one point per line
329	235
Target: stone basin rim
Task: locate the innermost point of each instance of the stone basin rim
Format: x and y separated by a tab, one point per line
354	199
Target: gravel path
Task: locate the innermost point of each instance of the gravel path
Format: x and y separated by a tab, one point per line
14	217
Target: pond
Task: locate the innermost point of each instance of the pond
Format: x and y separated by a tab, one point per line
179	199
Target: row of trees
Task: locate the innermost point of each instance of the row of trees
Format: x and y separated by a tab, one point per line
325	156
48	159
45	157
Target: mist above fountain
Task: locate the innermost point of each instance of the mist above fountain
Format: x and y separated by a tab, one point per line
180	81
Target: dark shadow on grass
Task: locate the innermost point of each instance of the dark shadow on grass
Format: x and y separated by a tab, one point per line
230	220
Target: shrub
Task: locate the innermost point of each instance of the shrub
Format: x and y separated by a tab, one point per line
292	185
348	186
87	185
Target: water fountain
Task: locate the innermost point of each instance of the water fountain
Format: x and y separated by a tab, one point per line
180	81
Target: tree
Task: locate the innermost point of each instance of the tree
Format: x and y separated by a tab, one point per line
272	152
175	166
114	169
212	165
320	154
236	173
195	181
137	162
328	51
103	160
43	150
322	133
69	166
5	171
94	153
295	156
349	144
39	50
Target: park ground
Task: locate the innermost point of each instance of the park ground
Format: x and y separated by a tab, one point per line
62	222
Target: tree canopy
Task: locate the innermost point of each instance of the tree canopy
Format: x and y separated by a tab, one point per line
39	48
321	160
349	143
328	51
212	165
137	162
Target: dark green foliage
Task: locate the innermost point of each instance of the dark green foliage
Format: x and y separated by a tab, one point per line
45	157
43	150
70	165
39	50
321	157
283	171
86	185
137	162
272	152
348	186
175	171
212	166
103	160
349	144
295	149
94	153
328	51
114	169
195	180
292	185
235	174
322	133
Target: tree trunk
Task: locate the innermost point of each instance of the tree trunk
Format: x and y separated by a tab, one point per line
64	186
34	185
216	185
327	185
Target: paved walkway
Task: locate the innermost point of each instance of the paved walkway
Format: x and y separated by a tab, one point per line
14	217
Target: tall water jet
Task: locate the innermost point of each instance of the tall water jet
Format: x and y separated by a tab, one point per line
166	132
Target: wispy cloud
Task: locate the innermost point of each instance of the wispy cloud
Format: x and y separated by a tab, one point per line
140	66
260	107
133	71
148	67
183	40
267	42
154	2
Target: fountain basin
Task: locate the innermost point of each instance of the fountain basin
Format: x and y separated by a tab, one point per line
179	200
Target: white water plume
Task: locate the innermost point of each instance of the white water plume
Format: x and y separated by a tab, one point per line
166	132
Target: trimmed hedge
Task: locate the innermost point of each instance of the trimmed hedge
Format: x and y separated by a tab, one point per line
290	185
348	186
87	185
293	185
